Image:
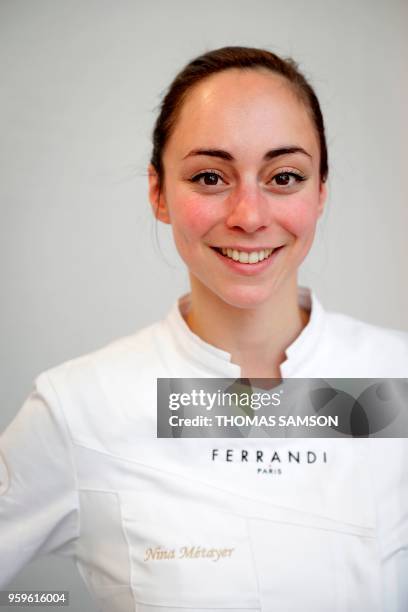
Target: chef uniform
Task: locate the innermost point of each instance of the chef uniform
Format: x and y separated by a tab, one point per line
175	525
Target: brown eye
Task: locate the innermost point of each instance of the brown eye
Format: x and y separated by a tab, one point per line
283	179
287	179
207	178
211	179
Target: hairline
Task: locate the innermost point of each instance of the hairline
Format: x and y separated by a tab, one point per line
296	89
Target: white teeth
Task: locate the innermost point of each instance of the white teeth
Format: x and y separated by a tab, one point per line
253	257
245	257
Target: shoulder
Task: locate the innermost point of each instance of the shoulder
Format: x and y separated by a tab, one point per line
368	350
359	335
136	352
102	391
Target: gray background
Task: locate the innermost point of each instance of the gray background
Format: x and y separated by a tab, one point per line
80	80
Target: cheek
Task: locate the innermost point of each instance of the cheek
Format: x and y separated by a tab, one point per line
299	217
192	218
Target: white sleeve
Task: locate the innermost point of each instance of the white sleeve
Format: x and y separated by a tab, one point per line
390	471
39	504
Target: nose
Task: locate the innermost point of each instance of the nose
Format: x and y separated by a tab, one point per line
249	210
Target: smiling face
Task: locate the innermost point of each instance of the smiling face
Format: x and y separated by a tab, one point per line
242	188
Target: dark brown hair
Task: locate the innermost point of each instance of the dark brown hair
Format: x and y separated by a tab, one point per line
223	59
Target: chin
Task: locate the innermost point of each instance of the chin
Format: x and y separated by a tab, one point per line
246	297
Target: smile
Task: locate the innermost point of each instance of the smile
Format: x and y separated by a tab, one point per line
245	257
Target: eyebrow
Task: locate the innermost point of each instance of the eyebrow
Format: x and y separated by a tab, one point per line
271	154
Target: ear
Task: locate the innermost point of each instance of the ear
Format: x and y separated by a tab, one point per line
156	196
322	197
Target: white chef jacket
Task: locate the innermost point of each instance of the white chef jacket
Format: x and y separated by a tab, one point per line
177	525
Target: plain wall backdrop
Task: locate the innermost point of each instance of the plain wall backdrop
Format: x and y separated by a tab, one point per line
80	81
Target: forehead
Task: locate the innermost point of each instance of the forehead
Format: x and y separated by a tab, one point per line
243	109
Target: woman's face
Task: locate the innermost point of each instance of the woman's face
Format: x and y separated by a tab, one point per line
242	189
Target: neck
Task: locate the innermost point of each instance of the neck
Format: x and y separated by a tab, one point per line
256	337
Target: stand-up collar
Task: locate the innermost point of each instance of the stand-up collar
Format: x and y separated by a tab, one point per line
303	348
209	360
205	360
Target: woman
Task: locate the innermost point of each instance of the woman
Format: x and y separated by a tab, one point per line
239	169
